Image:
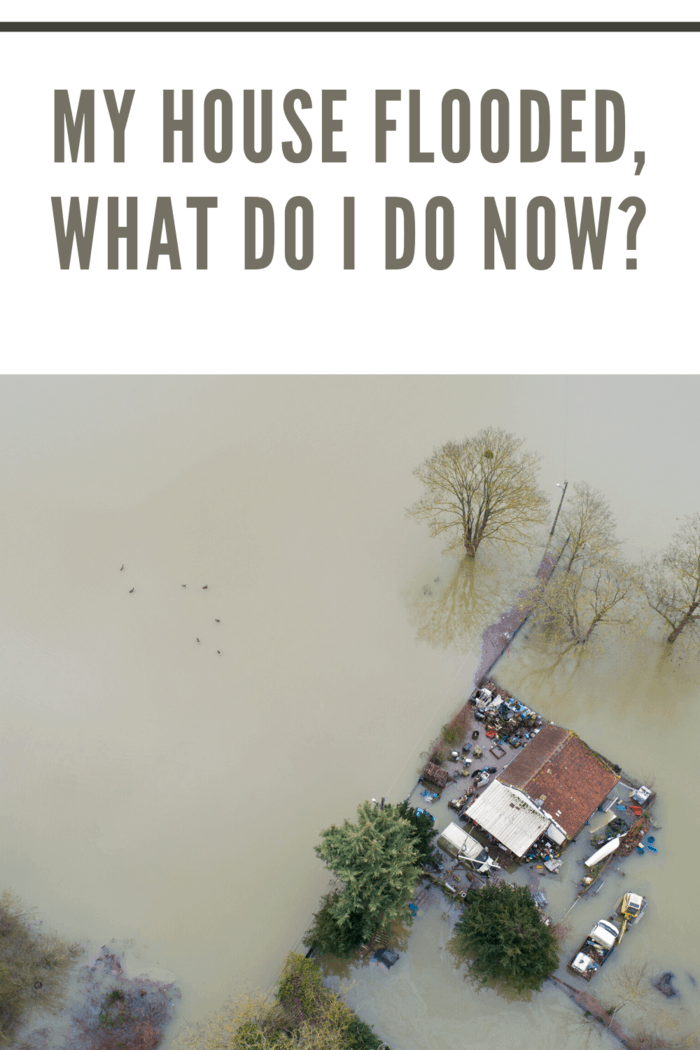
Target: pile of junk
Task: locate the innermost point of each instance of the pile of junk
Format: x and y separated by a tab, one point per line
465	757
506	720
544	852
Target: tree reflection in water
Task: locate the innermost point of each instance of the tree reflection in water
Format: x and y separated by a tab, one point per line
453	611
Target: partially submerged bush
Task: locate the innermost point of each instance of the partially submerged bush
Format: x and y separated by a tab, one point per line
112	1013
33	967
328	936
303	1016
437	752
451	733
320	1020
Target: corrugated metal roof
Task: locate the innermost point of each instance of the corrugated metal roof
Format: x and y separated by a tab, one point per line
509	816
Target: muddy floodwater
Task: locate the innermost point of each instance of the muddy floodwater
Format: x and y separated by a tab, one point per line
176	733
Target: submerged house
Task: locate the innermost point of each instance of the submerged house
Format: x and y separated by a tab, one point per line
551	788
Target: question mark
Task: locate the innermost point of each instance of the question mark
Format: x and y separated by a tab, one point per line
640	210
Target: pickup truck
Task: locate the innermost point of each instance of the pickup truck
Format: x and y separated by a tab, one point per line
595	950
605	935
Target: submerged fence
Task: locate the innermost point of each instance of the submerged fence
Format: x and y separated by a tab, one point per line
498	636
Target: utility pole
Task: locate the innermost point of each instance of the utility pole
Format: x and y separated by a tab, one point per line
556	516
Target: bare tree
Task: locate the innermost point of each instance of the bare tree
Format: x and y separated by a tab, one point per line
481	488
590	525
630	985
672	585
594	594
648	1028
562	930
656	1039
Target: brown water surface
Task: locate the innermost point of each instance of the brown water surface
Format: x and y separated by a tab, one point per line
158	790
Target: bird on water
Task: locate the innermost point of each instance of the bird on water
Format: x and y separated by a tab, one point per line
122	569
132	590
205	587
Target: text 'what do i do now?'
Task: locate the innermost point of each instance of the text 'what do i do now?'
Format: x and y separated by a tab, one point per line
586	223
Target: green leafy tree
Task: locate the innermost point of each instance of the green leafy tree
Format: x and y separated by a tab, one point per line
503	935
378	862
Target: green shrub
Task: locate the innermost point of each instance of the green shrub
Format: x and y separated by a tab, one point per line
360	1036
303	1016
112	1014
451	734
301	986
318	1017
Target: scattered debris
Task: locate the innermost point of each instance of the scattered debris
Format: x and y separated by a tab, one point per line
634	837
386	956
663	984
435	775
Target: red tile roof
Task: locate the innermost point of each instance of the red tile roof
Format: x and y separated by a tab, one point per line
529	761
557	767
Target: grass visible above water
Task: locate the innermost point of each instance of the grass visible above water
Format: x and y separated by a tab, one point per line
34	967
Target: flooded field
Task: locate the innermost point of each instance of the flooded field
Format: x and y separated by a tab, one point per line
291	644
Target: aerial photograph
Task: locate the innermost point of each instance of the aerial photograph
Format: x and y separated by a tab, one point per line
349	712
